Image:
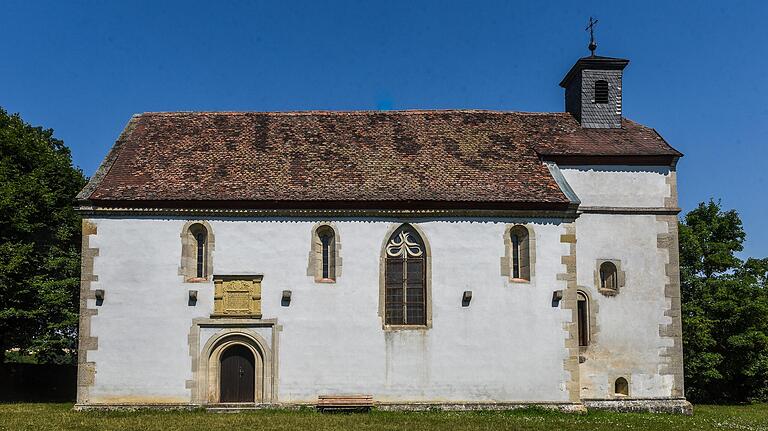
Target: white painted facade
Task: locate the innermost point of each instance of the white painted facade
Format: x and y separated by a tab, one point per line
626	340
508	345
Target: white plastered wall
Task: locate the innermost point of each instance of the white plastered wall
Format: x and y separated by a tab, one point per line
627	342
508	345
618	186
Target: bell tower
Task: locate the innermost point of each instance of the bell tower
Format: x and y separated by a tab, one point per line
593	88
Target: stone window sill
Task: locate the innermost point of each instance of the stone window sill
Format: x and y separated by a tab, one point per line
608	292
519	280
197	280
326	280
406	327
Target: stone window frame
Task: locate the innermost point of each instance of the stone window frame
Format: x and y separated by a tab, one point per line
427	279
620	277
588	338
612	386
188	266
315	262
507	259
592	309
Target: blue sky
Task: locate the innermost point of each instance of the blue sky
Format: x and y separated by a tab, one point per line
697	72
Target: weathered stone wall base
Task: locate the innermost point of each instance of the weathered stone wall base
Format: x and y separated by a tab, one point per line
419	406
133	407
470	406
675	405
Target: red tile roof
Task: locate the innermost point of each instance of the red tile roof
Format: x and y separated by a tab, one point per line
458	157
632	139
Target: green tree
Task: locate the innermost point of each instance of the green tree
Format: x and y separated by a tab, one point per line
725	309
39	242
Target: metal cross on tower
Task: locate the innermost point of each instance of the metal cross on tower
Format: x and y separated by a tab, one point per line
591	28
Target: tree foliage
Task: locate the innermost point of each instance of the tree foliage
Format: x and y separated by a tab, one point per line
724	309
39	242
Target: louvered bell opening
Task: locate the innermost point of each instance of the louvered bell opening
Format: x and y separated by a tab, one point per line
601	91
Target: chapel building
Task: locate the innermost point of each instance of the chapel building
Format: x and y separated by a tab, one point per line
449	258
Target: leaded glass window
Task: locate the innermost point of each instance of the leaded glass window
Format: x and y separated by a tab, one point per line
405	295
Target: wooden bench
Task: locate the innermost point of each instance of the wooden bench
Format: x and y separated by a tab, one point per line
344	403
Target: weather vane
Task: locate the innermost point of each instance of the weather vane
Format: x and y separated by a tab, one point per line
591	28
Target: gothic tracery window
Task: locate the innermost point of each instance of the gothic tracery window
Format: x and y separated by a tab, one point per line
405	292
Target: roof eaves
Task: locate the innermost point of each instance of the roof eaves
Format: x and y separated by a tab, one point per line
677	153
597	62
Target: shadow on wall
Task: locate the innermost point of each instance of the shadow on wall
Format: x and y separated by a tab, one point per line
38	383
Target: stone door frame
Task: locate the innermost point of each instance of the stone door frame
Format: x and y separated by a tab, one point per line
206	360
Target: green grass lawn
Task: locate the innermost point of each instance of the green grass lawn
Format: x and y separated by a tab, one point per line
40	417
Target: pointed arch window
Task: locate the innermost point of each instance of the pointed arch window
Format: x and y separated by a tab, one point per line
405	278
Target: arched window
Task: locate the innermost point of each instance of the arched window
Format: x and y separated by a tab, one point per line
520	253
582	308
200	239
196	247
601	91
621	387
609	276
200	233
405	283
325	242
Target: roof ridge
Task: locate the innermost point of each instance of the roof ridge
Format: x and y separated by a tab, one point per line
355	112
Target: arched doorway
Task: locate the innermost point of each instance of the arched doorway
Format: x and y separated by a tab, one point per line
237	380
208	378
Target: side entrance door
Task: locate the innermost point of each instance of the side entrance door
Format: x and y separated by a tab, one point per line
237	379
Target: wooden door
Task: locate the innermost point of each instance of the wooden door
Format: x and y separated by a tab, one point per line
237	379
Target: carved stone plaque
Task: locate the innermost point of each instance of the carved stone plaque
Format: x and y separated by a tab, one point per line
237	296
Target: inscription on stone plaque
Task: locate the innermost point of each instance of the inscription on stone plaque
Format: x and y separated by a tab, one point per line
237	296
